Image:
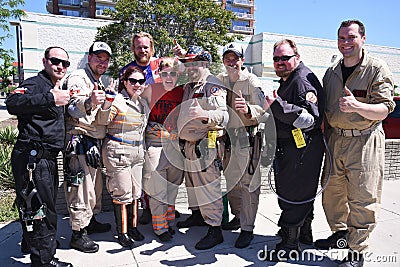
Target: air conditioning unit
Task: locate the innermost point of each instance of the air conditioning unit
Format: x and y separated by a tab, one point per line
84	3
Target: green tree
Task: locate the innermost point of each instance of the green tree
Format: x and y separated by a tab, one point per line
200	22
8	9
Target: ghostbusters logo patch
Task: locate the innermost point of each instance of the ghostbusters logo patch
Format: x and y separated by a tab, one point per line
311	97
215	91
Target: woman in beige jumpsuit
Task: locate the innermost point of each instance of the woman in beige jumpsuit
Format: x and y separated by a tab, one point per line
123	153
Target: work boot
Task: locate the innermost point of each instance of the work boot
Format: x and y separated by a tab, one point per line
165	237
97	227
306	236
211	239
133	221
244	239
353	259
196	219
171	230
287	248
57	263
336	240
82	242
121	222
234	224
145	218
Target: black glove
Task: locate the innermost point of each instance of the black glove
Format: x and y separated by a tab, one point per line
93	156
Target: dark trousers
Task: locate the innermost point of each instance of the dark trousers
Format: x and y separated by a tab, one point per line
42	240
297	172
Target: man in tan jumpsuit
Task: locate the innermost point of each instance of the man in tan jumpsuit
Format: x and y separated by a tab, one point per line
358	90
203	115
242	151
88	112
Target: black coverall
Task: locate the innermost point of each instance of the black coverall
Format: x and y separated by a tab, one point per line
41	127
297	170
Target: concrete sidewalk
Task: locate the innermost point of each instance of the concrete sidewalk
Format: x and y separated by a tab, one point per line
385	241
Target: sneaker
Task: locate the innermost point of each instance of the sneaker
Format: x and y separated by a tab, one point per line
211	239
336	240
165	237
234	224
196	219
145	218
57	263
244	239
96	227
82	242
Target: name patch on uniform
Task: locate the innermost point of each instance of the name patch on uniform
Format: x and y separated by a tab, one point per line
359	93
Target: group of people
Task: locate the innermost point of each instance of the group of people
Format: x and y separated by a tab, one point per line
169	120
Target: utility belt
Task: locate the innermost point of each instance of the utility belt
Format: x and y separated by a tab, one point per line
28	214
41	153
124	141
202	149
246	136
354	133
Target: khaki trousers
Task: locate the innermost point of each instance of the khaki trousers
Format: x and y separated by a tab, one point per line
353	196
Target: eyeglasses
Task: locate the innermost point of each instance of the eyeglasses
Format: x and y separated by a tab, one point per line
283	58
192	64
56	61
166	73
133	81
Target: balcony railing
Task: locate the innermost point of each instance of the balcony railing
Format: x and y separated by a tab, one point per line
243	29
69	2
243	3
241	15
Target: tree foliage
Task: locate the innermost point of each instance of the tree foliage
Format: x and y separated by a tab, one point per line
6	68
200	22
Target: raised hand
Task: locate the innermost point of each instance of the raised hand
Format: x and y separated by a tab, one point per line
348	103
196	111
178	50
240	103
61	97
98	96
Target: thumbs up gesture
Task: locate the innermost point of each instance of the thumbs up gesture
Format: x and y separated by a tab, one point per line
197	112
269	99
240	103
61	97
178	50
98	96
348	103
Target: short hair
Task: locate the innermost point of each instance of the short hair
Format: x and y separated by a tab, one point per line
48	49
166	63
347	23
140	35
126	74
291	43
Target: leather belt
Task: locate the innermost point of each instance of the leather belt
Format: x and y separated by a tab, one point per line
353	133
129	142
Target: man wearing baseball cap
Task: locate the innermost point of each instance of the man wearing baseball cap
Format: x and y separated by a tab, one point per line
245	100
87	117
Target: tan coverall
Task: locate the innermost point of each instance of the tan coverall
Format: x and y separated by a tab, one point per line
202	173
357	145
241	162
84	200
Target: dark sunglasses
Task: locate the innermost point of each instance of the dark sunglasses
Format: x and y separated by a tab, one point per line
56	61
133	81
283	58
166	73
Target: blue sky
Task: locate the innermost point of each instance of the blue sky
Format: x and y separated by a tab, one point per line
311	18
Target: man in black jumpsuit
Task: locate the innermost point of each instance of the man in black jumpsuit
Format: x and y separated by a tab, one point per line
38	103
297	105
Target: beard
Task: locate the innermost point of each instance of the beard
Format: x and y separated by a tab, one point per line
283	73
145	59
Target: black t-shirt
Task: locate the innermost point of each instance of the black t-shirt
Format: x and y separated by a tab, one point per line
347	71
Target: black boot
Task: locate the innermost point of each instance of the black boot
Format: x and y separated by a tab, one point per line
145	218
234	224
336	240
82	242
353	259
196	219
121	221
211	239
287	248
132	225
244	239
56	263
306	236
97	227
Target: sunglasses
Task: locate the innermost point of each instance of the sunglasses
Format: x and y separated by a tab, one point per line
192	63
283	58
166	73
133	81
56	61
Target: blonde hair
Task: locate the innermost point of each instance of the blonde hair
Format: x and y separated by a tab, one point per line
168	62
141	35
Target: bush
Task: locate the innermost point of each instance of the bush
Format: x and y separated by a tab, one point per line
8	137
